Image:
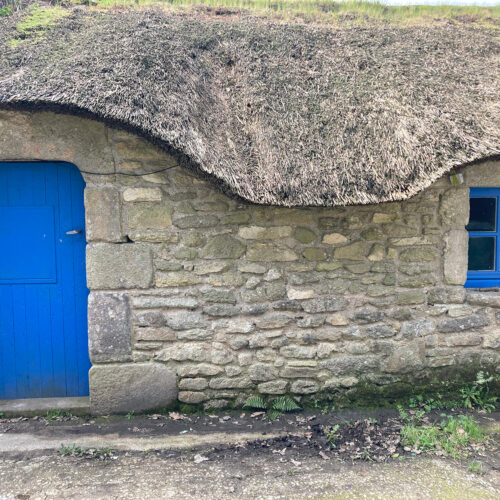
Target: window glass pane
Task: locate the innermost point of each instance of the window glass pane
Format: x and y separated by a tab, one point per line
482	254
482	214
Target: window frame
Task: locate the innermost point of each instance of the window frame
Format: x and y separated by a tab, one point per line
486	279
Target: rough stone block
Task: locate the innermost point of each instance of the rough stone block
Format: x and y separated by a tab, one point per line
411	297
418	254
455	256
267	292
177	279
219	296
324	304
266	252
406	358
212	206
192	351
474	322
262	372
236	218
380	331
297	351
465	339
184	320
154	334
136	148
299	371
305	235
142	194
351	364
143	216
367	315
196	221
274	321
417	328
300	294
265	233
103	214
116	266
222	310
230	383
304	387
223	246
315	254
191	397
109	327
377	253
372	234
198	370
220	354
211	268
273	387
354	251
153	236
121	388
454	208
488	299
452	295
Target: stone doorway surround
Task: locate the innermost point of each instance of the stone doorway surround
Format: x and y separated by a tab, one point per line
114	387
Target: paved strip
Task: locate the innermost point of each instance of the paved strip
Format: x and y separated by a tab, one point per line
13	442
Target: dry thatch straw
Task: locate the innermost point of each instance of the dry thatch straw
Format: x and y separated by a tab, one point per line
277	113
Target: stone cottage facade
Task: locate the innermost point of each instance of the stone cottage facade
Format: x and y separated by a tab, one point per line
203	298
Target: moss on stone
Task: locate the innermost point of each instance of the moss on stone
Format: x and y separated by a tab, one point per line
444	383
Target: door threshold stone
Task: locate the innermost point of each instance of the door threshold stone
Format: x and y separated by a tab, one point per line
40	406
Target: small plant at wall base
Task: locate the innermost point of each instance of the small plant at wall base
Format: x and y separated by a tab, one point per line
331	435
275	408
478	395
71	450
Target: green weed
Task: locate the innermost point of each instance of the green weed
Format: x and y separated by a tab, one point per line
5	11
130	415
71	450
478	395
331	435
275	408
476	467
57	415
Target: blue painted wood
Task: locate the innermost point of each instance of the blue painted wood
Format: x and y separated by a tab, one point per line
486	279
43	293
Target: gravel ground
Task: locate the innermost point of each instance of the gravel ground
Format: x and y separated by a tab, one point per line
148	476
234	456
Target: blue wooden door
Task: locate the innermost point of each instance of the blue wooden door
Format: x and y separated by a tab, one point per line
43	293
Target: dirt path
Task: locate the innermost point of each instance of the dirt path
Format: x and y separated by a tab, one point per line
233	456
262	476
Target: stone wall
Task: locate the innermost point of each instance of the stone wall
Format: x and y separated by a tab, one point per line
224	299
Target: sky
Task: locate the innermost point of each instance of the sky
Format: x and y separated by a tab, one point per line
441	2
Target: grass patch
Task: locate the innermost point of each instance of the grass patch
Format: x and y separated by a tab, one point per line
35	22
454	436
347	13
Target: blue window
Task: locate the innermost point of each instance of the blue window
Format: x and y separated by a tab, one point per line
484	238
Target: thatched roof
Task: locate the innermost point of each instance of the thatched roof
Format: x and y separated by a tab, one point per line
276	113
